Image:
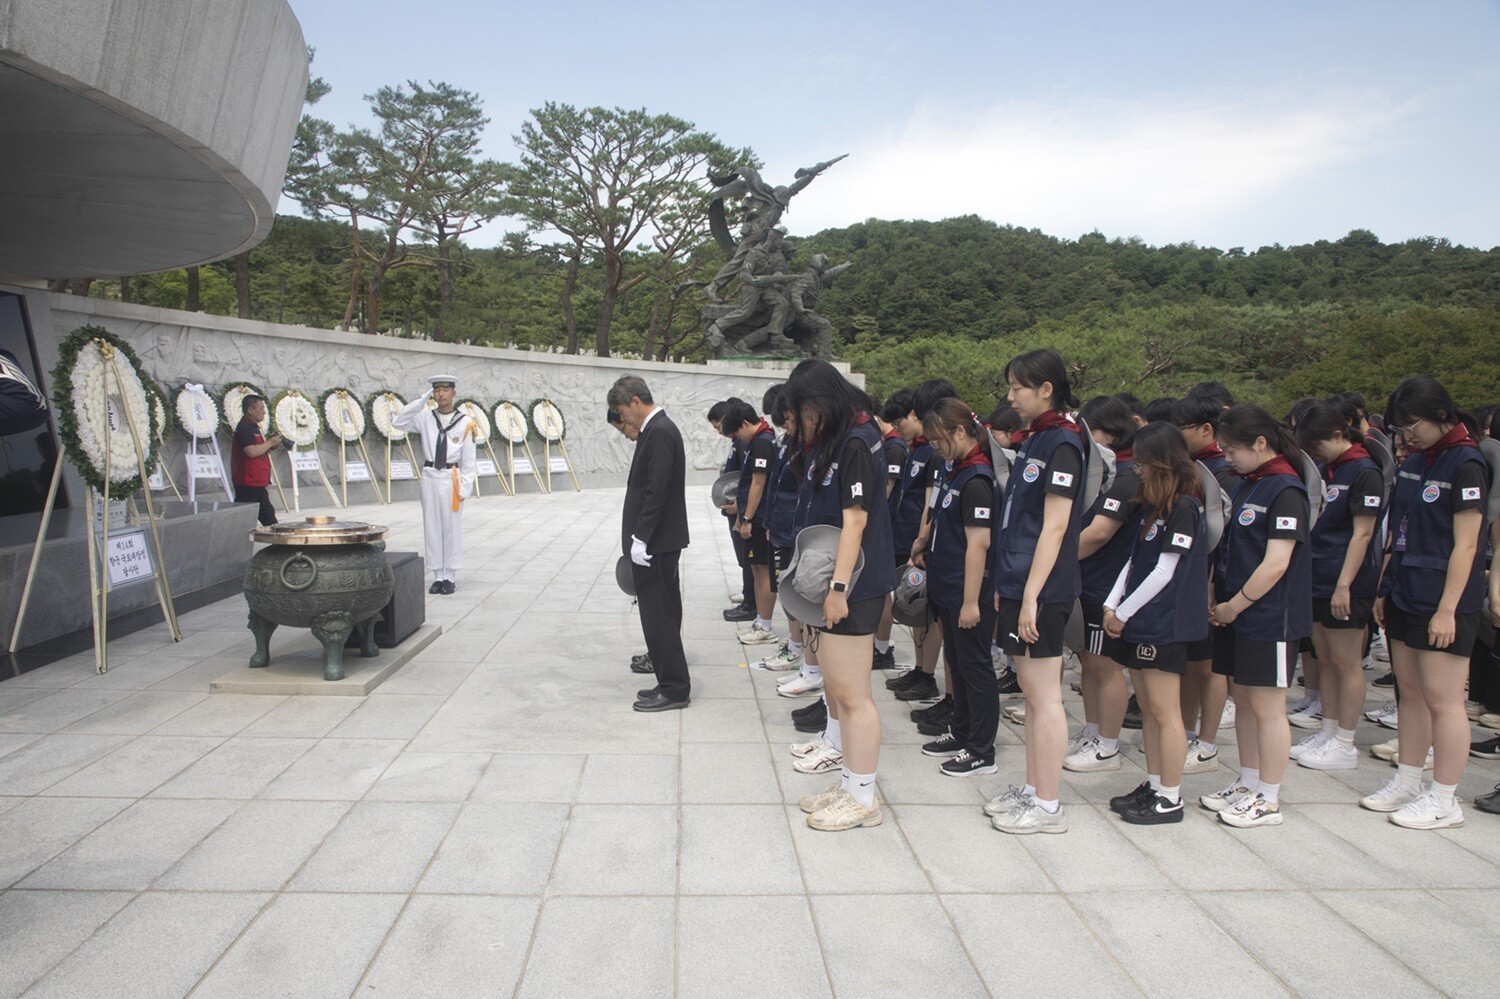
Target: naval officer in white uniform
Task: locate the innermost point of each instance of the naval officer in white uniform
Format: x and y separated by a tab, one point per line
448	471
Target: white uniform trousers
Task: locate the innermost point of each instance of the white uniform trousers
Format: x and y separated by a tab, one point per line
442	526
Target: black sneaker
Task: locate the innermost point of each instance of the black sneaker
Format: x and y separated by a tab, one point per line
1489	749
884	660
945	746
1153	811
743	612
966	764
943	708
924	689
1489	802
818	707
814	721
1010	686
436	587
642	663
926	727
1120	801
1389	680
900	680
1133	713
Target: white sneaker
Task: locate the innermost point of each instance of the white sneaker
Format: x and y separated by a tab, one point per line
759	636
1384	708
1307	745
801	749
1014	712
1092	758
1389	798
783	660
1379	651
1075	743
1250	811
1425	813
1002	803
1302	703
1388	720
1226	719
820	760
1386	751
843	812
1197	762
800	686
1028	817
1426	764
1227	798
1331	754
1310	716
1474	709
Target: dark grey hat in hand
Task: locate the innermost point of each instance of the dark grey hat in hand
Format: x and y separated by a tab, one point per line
909	604
725	487
805	581
623	576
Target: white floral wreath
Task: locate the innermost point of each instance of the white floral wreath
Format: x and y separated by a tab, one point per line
548	420
346	418
100	416
383	409
234	405
197	413
475	412
296	419
510	422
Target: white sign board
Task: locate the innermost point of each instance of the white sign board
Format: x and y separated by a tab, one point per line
522	466
559	464
402	470
128	558
305	461
485	467
205	466
119	515
158	479
356	471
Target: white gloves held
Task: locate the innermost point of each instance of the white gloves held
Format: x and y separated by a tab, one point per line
638	551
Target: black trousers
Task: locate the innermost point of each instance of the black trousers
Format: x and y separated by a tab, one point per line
257	494
658	591
747	578
976	689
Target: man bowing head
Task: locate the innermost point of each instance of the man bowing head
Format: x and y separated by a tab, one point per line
653	533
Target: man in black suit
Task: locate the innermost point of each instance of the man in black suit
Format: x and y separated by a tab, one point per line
653	533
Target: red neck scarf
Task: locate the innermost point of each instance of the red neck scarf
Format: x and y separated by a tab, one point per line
893	435
764	428
1124	456
976	456
1457	437
1276	466
918	441
860	419
1210	452
1048	420
1354	453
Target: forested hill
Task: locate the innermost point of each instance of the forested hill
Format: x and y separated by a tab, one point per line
961	296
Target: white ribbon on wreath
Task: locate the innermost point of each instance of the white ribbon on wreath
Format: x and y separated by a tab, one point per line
200	408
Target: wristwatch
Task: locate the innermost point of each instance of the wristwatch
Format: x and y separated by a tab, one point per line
839	586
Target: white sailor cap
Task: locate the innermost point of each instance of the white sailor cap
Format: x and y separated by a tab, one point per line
443	381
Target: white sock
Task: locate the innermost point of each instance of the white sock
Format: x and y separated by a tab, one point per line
1089	731
1249	778
862	788
1271	792
811	671
833	735
762	623
1173	793
844	776
1330	726
1029	791
1344	735
1154	780
1192	737
1410	778
794	647
882	647
1444	794
1108	746
1207	748
1050	807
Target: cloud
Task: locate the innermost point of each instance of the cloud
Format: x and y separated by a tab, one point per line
1168	171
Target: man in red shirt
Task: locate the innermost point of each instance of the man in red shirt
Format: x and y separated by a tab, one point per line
250	460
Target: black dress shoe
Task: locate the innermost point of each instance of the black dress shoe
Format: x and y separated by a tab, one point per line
740	613
436	587
642	664
655	700
647	692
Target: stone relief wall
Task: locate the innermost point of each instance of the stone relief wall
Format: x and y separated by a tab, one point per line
178	347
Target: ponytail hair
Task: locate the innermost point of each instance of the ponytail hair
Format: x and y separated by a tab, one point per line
1037	367
1323	422
1245	422
947	415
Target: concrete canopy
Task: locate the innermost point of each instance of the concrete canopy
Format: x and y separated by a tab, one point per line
143	135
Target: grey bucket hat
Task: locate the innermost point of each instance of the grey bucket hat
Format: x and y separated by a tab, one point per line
805	581
909	603
725	487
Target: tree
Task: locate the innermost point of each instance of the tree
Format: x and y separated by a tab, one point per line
460	201
604	178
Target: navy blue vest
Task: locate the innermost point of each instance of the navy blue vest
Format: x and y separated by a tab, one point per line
1330	536
780	502
1099	571
908	498
1179	613
948	545
820	501
1285	613
742	491
1423	500
1021	524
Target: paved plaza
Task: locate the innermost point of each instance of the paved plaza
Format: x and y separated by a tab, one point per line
496	820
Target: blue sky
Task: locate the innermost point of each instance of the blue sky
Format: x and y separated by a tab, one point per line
1221	124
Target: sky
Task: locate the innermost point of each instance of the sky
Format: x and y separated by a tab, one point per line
1227	125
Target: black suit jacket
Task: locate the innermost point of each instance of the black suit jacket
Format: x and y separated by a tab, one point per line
655	493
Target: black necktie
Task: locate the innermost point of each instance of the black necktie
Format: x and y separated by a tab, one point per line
440	454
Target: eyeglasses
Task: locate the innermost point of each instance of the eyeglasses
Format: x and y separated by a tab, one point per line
1408	428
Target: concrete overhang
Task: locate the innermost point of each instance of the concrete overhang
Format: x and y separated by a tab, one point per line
143	135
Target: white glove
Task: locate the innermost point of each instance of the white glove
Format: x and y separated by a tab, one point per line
638	551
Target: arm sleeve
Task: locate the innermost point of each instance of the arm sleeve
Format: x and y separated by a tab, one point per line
244	436
1471	487
411	414
977	502
1118	590
1181	528
861	482
1166	568
1288	516
895	459
658	474
762	453
1064	472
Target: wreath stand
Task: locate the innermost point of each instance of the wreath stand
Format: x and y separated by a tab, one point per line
563	449
166	470
291	457
509	487
98	555
390	476
192	458
344	470
545	487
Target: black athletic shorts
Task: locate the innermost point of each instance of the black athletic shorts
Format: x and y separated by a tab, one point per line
1411	630
1200	652
1095	638
863	619
781	556
1051	622
757	547
1252	663
1360	612
740	545
1171	658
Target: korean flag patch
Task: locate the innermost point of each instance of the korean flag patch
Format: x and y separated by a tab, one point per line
1062	479
893	469
1181	541
1470	492
981	513
1375	500
1286	523
760	463
858	489
1112	505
